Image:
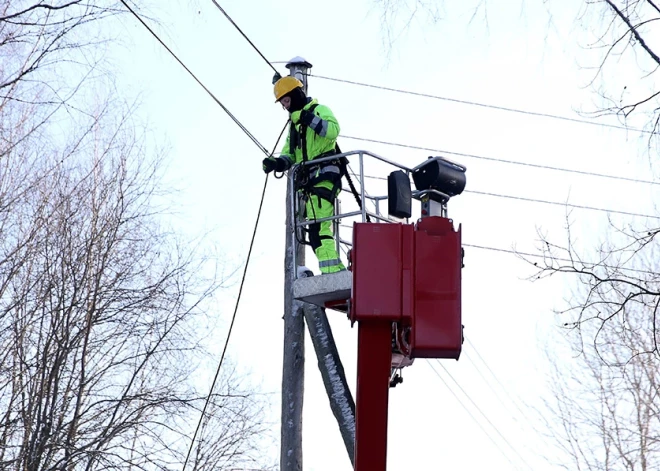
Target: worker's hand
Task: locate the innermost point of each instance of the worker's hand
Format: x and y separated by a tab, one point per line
303	116
269	164
279	164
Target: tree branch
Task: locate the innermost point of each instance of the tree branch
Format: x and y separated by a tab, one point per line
40	5
633	31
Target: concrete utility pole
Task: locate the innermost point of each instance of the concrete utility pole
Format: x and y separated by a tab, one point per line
293	368
332	370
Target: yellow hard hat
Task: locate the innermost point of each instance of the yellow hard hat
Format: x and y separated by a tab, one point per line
285	85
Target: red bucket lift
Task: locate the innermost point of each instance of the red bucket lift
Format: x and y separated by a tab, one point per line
406	282
404	292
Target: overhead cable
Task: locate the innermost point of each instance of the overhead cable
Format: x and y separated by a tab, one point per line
554	203
586	265
233	317
492	440
254	232
466	355
484	415
244	35
559	203
485	105
514	400
226	110
512	162
544	257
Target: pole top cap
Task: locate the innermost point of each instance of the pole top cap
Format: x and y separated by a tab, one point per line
299	61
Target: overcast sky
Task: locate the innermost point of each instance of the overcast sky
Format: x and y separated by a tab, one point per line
518	55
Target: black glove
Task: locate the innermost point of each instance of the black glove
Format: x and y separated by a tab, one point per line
303	116
269	164
279	164
306	117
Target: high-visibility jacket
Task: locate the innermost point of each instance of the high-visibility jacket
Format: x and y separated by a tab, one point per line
320	136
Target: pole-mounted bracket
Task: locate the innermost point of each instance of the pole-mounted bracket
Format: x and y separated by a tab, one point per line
332	290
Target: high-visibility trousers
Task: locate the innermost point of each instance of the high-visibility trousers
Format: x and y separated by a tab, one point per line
321	234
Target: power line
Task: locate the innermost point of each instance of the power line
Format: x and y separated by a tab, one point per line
558	203
505	161
233	317
485	105
543	257
484	415
231	326
256	225
514	402
535	255
557	259
492	389
554	203
226	110
263	194
244	35
472	416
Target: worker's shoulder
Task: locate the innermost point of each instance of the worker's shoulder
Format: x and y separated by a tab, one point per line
322	109
324	112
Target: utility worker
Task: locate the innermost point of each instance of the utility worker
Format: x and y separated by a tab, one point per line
313	134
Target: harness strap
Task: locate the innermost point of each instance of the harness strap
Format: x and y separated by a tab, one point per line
307	184
293	139
322	193
303	133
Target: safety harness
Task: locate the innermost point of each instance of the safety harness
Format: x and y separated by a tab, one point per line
308	176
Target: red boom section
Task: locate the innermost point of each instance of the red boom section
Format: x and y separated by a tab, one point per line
372	393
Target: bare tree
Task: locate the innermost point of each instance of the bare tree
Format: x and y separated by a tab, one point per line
97	316
624	36
604	417
397	16
613	281
100	304
48	51
232	432
623	48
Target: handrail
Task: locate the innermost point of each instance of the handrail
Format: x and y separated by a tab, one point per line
363	212
354	152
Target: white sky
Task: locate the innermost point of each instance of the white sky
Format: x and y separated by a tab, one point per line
517	58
